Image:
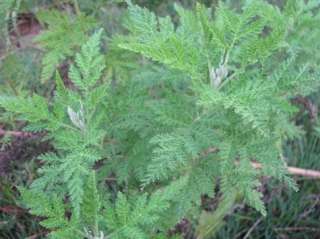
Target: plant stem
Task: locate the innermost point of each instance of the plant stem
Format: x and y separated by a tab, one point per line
76	7
211	222
18	134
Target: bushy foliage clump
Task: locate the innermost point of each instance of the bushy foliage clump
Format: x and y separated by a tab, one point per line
210	95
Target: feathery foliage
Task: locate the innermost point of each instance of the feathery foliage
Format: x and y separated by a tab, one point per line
64	35
211	95
71	122
242	104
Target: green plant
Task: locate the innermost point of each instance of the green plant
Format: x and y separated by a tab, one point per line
5	8
65	33
214	97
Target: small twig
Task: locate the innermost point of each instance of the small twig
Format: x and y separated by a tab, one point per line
310	210
11	209
18	134
292	170
295	171
295	229
252	228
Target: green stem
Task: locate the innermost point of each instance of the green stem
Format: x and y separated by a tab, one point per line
94	185
76	7
210	223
